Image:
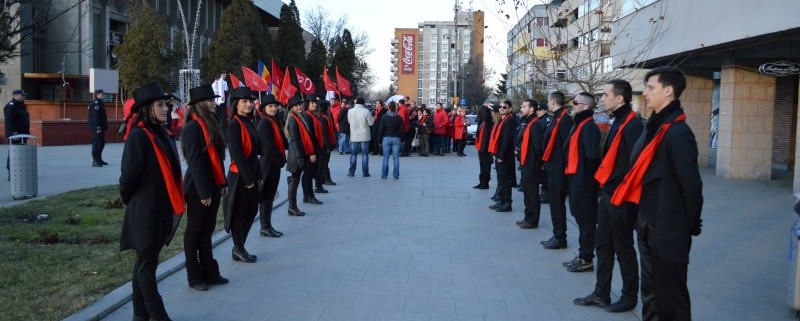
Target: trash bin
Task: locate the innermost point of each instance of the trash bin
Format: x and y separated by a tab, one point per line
23	166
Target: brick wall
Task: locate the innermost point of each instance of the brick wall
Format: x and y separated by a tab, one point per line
696	102
785	121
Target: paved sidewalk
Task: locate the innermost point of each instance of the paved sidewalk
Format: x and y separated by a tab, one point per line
425	247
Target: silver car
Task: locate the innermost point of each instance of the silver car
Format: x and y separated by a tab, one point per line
472	129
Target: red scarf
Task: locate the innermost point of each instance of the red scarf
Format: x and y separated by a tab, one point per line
479	139
526	137
216	166
607	166
317	129
377	113
276	137
572	161
630	190
308	145
422	120
495	135
331	131
247	145
552	142
174	184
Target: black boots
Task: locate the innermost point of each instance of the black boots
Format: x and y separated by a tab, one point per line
239	235
293	184
484	182
266	220
241	255
328	180
311	200
319	188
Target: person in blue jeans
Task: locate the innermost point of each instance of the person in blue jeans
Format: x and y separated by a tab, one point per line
390	129
360	120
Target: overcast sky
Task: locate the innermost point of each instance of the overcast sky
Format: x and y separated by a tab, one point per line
379	18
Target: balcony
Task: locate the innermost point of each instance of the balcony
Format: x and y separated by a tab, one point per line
394	60
393	69
395	41
395	50
393	78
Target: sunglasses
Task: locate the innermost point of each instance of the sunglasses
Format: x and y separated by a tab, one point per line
504	107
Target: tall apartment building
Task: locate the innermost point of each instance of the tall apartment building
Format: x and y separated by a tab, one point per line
441	48
527	47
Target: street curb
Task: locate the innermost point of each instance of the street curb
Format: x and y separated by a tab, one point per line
122	295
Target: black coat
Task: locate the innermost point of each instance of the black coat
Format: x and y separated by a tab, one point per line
533	161
630	134
326	139
672	190
505	142
271	155
149	214
199	174
249	169
295	156
344	124
582	185
486	128
97	116
557	162
17	119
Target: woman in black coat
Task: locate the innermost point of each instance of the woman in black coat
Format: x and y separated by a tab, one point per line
302	150
150	186
244	175
203	145
273	147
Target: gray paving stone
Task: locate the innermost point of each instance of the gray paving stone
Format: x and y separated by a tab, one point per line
429	305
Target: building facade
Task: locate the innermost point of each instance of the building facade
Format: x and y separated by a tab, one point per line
527	47
745	75
405	58
442	48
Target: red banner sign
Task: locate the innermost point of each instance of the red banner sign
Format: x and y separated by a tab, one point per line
409	52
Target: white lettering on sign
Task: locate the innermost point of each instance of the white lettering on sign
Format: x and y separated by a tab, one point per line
408	54
780	68
304	83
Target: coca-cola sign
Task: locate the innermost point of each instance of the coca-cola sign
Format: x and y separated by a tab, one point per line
780	68
408	54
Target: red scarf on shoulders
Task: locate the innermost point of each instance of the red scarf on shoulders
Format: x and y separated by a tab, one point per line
526	137
247	145
552	142
276	137
216	166
174	183
305	137
317	129
572	161
494	137
607	166
630	190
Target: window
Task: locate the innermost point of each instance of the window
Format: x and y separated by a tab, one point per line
540	42
433	56
630	6
561	74
542	21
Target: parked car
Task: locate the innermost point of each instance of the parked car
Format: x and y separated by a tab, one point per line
472	129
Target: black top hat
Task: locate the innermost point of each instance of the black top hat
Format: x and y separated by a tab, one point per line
147	94
200	93
268	100
294	101
542	106
242	93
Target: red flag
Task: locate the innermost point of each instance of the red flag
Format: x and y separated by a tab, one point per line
253	81
287	90
277	77
235	83
329	85
344	85
307	86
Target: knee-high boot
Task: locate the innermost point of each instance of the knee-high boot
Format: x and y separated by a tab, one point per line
292	196
239	253
266	220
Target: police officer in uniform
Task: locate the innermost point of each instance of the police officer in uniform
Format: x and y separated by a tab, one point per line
98	124
17	120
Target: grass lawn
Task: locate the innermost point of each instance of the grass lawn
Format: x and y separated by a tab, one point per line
54	268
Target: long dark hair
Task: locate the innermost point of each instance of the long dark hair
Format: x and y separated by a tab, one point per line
234	111
202	110
145	115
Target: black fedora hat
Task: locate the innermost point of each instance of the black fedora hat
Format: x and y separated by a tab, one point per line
242	93
296	100
147	94
200	93
268	100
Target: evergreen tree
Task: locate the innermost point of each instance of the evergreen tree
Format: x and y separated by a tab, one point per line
315	64
240	41
145	56
500	90
345	58
292	50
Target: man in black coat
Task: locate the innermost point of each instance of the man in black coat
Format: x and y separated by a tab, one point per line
554	164
583	158
670	199
344	127
485	124
531	147
615	224
98	125
544	122
17	120
501	145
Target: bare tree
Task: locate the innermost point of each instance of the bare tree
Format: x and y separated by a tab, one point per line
21	20
569	46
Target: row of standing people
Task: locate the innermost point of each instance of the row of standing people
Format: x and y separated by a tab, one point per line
646	175
156	195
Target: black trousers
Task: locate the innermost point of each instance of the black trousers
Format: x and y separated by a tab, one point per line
222	116
146	299
530	193
558	208
271	180
201	221
665	295
584	210
309	173
324	160
505	170
485	162
615	226
460	145
98	144
245	207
